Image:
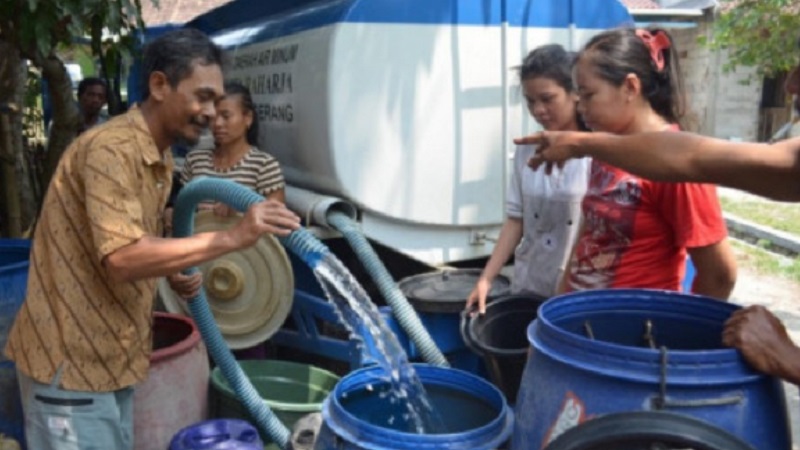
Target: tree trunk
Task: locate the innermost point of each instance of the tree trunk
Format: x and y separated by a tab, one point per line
110	69
10	110
112	77
28	194
65	114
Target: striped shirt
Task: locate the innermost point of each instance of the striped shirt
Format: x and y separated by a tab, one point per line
256	170
109	190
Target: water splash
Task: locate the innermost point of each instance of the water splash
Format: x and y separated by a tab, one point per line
363	320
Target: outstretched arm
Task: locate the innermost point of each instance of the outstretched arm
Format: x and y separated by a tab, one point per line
771	170
150	257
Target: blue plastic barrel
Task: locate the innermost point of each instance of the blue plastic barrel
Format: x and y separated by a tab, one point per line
599	352
442	328
439	298
14	256
218	434
356	415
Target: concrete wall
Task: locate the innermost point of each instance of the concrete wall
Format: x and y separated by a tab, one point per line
718	102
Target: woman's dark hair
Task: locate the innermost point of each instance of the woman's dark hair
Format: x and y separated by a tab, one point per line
617	53
174	53
552	62
246	100
549	61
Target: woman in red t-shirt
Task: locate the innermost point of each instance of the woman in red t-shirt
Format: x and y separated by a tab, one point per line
637	232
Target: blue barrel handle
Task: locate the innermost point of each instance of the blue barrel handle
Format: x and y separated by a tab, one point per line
662	401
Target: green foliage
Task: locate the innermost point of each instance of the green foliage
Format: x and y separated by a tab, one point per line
83	57
759	33
38	27
37	30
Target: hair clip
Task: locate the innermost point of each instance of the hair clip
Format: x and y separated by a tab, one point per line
656	44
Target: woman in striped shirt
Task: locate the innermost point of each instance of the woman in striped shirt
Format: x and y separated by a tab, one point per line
236	155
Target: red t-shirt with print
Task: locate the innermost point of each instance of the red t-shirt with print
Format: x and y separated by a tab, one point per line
637	231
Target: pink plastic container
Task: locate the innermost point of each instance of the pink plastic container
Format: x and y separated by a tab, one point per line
175	394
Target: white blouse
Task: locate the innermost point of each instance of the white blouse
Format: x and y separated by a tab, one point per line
550	209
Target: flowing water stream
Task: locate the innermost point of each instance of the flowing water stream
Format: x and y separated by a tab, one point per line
362	319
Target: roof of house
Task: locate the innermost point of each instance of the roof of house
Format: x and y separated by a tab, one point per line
176	11
667	5
641	4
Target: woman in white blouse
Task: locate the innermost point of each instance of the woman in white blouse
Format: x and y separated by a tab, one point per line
543	211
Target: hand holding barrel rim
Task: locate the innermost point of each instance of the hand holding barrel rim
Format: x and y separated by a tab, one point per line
764	342
476	302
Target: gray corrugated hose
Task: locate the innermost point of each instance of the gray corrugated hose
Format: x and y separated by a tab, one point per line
332	212
401	309
300	242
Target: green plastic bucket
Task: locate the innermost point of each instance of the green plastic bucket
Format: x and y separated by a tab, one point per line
291	390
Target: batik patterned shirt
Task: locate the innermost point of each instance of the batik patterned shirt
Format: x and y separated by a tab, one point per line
109	191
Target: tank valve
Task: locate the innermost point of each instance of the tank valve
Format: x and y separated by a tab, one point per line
480	238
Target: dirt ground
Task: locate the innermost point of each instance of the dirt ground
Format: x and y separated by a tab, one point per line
781	296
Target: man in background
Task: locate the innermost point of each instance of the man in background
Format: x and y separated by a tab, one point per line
92	97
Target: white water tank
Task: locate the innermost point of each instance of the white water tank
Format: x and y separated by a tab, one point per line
405	108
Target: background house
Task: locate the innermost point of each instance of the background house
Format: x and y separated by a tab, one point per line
732	105
176	11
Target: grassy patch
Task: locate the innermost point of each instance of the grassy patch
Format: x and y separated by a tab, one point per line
780	216
765	262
